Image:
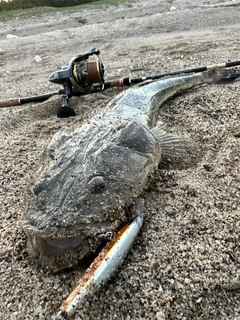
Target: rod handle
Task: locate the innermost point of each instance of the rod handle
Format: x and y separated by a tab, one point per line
10	103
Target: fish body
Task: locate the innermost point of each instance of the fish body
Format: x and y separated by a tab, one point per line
89	176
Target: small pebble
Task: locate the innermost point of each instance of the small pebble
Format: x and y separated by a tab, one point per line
2	51
37	58
160	315
172	212
173	8
11	36
199	300
236	134
235	286
207	167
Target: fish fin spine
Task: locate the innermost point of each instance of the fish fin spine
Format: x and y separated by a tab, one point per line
171	144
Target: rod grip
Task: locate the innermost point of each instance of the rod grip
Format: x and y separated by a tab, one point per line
10	103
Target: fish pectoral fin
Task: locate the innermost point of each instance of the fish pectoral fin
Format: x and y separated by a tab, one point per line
135	136
170	144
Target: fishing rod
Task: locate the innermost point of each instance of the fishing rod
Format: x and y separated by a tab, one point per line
84	75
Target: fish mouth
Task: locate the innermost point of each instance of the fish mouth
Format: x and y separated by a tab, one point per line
82	237
52	247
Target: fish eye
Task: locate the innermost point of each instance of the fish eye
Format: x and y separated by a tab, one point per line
96	184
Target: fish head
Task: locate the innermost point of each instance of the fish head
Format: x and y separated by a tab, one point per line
83	193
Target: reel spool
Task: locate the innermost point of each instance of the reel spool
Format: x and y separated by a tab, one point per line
86	74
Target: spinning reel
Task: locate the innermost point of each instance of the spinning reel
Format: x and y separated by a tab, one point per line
81	76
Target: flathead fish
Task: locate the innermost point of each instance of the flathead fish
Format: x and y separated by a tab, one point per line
91	175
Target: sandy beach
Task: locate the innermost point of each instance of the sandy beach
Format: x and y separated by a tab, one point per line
185	263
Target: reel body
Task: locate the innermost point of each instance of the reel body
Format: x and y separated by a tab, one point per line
81	76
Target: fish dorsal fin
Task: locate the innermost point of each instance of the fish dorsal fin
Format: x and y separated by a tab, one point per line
170	144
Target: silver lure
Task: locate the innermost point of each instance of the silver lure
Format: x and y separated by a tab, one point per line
102	268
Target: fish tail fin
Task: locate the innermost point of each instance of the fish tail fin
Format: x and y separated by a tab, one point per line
219	75
171	144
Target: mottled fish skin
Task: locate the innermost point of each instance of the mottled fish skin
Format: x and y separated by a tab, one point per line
90	175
